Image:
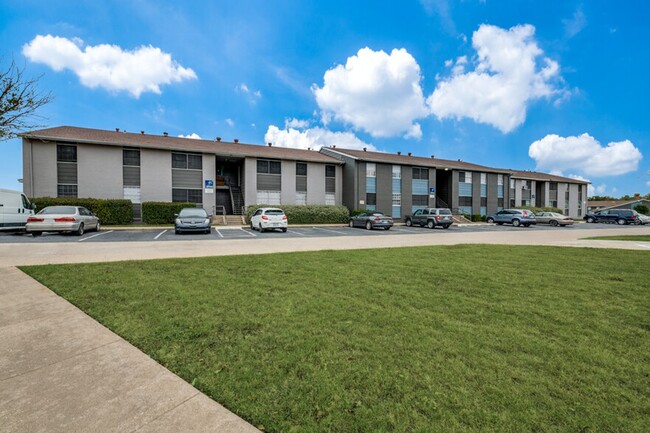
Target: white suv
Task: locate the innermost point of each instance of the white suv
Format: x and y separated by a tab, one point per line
269	218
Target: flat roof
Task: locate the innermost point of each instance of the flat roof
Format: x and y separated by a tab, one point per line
74	134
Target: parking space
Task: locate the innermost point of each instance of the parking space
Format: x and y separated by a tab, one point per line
229	233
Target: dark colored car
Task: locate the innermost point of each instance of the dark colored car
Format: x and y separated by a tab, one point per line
191	219
516	217
430	217
371	220
613	216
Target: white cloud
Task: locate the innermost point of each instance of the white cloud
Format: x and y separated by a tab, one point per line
376	92
313	138
230	122
252	95
575	24
585	154
510	72
137	71
193	136
296	123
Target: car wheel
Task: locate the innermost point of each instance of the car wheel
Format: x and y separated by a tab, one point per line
490	220
261	228
176	231
36	234
208	231
284	230
516	223
590	220
368	225
408	222
553	223
80	230
351	224
621	222
252	226
98	227
431	224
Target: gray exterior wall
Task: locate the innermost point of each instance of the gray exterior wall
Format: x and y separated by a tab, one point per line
493	193
288	191
339	185
432	183
99	171
573	199
155	175
476	192
41	180
385	188
209	164
454	190
315	183
250	181
407	190
360	193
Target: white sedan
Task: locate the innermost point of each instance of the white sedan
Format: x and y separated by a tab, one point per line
269	218
75	219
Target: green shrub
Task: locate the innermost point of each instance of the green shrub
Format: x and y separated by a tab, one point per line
541	209
356	212
308	214
111	212
154	212
642	209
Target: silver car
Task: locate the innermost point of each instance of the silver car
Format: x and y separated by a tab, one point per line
74	219
553	218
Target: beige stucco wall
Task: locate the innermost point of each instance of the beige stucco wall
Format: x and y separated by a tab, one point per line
250	181
43	162
288	193
315	183
99	171
155	175
209	165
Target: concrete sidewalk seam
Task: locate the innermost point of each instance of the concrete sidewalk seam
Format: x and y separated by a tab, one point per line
167	411
61	360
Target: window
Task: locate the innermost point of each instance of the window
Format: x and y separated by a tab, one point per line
524	184
330	181
188	195
483	201
500	179
371	169
131	157
512	184
66	153
464	201
301	168
500	202
268	197
420	173
268	167
465	177
187	161
483	178
66	191
512	202
371	198
330	171
397	206
420	200
330	199
397	199
552	186
301	198
397	172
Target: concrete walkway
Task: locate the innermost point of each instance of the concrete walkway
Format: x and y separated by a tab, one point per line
61	371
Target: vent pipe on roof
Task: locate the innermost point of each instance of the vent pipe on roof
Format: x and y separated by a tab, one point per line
236	140
218	138
399	153
117	129
334	146
270	144
365	149
142	132
410	153
165	134
433	156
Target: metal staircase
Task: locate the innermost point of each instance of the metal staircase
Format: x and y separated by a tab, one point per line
236	200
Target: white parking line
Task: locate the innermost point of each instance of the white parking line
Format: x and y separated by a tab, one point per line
218	232
160	234
328	230
246	231
298	233
95	235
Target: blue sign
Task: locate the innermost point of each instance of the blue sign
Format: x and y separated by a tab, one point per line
209	183
432	190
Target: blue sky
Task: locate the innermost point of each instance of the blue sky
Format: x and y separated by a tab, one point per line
558	86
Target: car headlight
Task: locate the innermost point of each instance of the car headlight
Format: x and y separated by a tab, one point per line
177	221
207	221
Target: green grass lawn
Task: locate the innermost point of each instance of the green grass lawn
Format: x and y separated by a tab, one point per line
467	338
638	238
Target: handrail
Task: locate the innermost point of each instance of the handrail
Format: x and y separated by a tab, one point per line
223	212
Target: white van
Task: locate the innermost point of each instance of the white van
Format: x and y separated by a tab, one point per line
15	208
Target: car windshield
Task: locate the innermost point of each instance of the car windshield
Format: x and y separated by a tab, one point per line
379	214
188	213
59	210
445	212
274	212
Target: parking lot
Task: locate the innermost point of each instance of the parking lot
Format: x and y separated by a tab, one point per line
229	233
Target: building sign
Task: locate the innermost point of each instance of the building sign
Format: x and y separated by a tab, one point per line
432	190
209	186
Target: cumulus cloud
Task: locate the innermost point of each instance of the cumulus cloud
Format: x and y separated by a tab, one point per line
375	92
137	71
575	24
585	154
296	123
510	71
313	138
193	136
252	95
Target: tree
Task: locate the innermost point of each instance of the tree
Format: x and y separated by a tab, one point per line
601	198
642	209
19	101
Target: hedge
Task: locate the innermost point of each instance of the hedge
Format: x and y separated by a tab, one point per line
111	212
154	212
308	214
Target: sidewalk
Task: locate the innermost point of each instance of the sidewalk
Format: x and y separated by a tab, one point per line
61	371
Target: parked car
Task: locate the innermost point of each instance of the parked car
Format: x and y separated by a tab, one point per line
516	217
430	217
642	219
192	219
74	219
15	208
269	218
613	216
371	220
553	218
